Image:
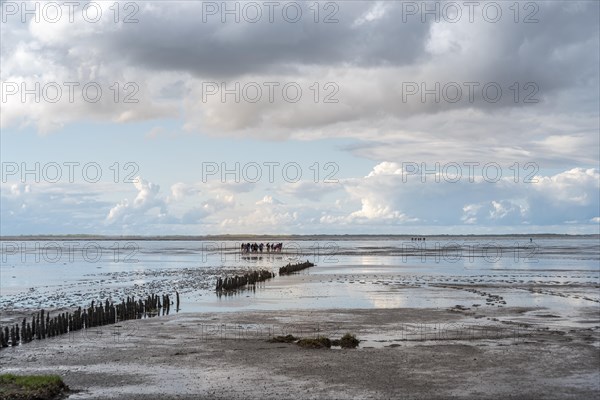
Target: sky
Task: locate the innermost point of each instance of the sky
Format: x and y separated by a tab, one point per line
283	117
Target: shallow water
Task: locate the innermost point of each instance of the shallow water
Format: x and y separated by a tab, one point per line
557	272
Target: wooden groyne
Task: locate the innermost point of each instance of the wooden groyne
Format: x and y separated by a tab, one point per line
249	280
291	268
42	325
240	281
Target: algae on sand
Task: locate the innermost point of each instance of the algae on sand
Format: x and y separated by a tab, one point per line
315	343
283	339
30	387
349	341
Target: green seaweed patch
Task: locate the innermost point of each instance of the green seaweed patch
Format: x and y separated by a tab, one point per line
31	387
283	339
315	343
349	341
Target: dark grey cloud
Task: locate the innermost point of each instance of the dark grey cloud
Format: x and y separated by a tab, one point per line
554	52
177	39
558	54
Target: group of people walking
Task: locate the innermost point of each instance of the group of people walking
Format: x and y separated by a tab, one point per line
260	247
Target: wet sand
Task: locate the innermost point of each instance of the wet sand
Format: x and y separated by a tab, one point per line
405	353
428	330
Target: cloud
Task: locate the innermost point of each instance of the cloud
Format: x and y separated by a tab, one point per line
377	11
42	208
503	212
387	199
367	58
394	89
575	187
151	209
390	195
208	208
268	200
314	191
181	190
373	211
135	212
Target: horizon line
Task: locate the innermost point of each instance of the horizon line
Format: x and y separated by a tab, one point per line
250	235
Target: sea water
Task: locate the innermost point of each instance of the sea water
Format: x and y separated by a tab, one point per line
361	271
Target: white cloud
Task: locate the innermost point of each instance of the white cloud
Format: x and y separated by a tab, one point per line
268	200
379	200
577	187
387	196
134	212
376	211
377	11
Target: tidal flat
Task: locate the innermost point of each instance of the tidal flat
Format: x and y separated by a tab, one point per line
489	318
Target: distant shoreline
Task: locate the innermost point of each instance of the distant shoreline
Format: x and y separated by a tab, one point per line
234	237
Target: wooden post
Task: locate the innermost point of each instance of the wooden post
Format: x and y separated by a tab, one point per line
24	331
42	324
33	332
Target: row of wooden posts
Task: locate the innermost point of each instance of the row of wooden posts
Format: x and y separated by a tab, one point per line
43	326
98	314
291	268
252	278
236	282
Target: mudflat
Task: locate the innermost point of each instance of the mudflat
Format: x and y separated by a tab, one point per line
477	353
